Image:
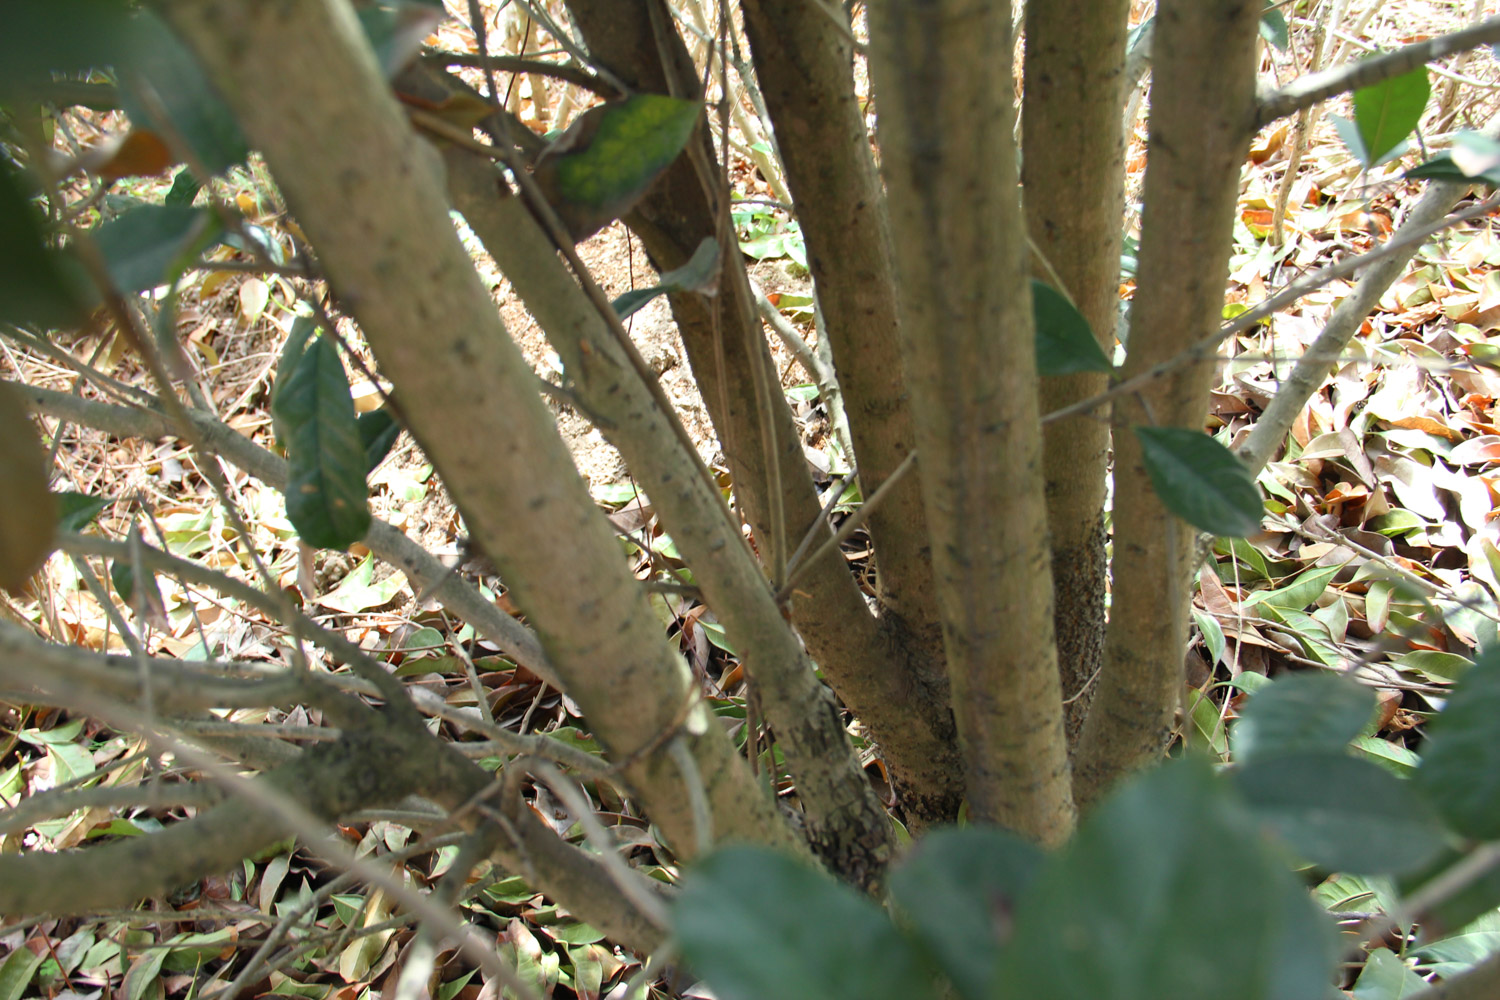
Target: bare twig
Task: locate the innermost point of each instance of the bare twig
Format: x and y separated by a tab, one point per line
1316	87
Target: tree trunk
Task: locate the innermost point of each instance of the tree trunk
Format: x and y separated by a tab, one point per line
307	92
843	819
1202	107
804	64
942	72
908	717
1073	175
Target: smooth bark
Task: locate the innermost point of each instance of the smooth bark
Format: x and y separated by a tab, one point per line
1072	179
307	92
1202	104
943	89
805	68
907	715
804	65
843	819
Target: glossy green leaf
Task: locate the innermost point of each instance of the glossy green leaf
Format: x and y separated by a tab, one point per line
303	328
326	497
76	511
162	75
757	924
1200	480
1394	758
1348	131
1301	712
1463	948
184	189
1168	893
1460	770
1387	112
1212	633
953	890
1065	344
1300	593
378	430
38	285
1273	29
152	244
1340	812
1434	664
1442	168
1386	977
700	270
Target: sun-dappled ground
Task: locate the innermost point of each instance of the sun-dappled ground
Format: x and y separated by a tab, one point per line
1380	553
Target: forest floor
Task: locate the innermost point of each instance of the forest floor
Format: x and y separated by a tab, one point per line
1381	550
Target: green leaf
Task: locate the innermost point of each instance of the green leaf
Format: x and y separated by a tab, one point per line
303	327
1434	664
1300	593
360	591
1065	344
699	271
396	32
1348	131
1168	893
1387	112
16	972
1273	29
607	159
1386	977
953	887
185	188
38	285
1460	770
65	36
1479	896
1302	712
1460	950
757	924
141	975
1200	480
1341	813
161	74
122	576
378	430
326	497
1394	758
76	511
152	244
1213	634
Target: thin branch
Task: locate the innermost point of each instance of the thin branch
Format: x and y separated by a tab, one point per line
1274	304
1313	367
57	673
389	543
55	803
1315	87
822	374
516	64
848	528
